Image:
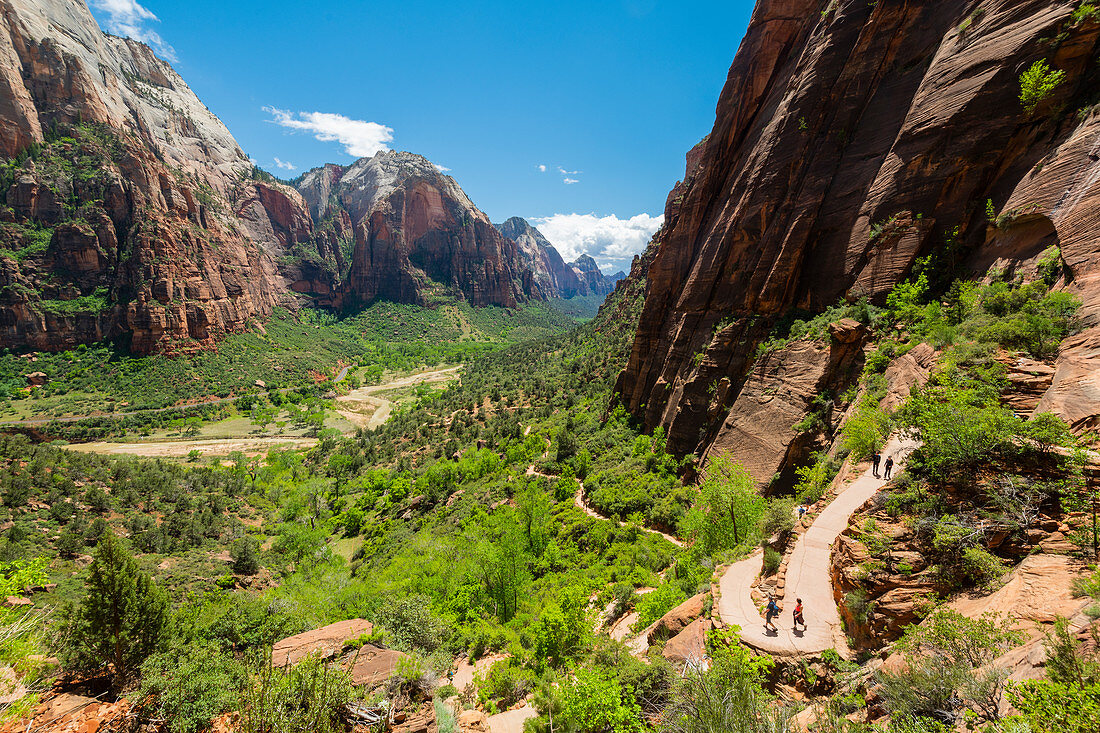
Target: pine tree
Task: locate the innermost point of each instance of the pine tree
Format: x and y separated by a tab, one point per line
122	617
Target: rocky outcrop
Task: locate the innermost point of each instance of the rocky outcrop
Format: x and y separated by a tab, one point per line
327	641
554	278
761	429
848	141
132	215
415	227
592	278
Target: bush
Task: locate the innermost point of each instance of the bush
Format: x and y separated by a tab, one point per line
246	555
410	624
772	560
189	686
1038	83
310	696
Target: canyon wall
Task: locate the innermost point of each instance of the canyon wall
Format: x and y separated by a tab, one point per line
851	138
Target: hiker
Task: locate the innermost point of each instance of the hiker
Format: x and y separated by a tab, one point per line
801	511
769	613
798	619
874	464
889	467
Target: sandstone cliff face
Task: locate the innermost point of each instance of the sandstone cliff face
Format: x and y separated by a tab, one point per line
554	278
129	207
415	229
851	138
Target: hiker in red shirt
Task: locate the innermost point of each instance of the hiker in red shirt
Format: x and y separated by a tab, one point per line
798	615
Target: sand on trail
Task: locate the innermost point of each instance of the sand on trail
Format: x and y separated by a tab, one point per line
180	448
365	408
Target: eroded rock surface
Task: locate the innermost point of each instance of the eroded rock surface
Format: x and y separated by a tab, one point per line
846	144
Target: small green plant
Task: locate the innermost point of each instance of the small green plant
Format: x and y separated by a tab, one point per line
1086	11
772	560
1038	83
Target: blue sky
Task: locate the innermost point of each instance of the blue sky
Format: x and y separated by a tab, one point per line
575	115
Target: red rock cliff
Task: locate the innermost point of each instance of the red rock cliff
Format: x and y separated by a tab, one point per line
841	116
130	211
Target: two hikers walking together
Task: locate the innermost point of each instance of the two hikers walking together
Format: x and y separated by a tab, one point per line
771	611
888	467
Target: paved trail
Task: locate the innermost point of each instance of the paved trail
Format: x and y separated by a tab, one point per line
808	576
511	721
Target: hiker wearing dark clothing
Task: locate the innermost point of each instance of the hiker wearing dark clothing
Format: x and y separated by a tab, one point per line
769	613
874	464
798	619
889	465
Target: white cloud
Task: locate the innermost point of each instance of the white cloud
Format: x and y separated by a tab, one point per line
611	241
541	167
567	173
128	18
360	139
284	165
441	168
569	181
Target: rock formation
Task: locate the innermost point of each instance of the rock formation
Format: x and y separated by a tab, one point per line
850	139
130	212
414	226
554	278
588	272
128	204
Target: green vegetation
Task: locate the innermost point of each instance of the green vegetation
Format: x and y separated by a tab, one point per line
1037	83
290	351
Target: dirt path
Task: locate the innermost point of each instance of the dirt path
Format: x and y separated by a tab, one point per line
180	448
808	576
583	505
364	408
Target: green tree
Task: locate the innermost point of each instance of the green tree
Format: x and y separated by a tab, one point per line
246	555
122	618
728	510
1037	83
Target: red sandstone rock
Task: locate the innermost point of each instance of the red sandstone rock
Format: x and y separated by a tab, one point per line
845	145
327	640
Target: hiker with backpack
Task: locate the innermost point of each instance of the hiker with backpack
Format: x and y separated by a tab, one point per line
798	618
770	612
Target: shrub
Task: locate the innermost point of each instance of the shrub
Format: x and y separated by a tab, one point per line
1038	83
411	625
947	667
246	555
189	686
772	560
309	696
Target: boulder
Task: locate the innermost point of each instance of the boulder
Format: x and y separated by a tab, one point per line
690	645
371	665
678	619
328	640
473	721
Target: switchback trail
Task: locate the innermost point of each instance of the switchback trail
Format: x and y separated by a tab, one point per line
587	509
808	576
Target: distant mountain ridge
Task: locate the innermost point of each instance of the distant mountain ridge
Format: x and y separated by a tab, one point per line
130	213
554	276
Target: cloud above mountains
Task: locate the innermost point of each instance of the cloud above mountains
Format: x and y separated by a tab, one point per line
130	19
611	241
361	139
